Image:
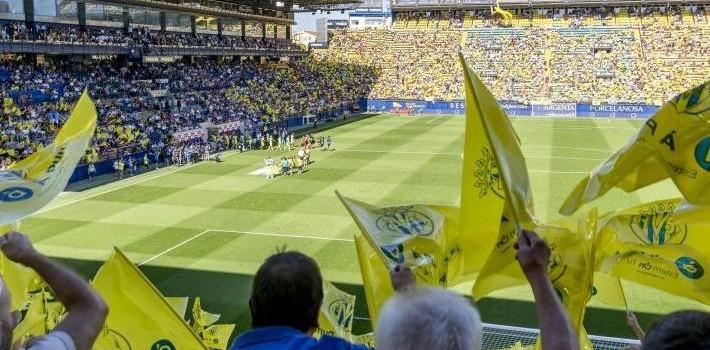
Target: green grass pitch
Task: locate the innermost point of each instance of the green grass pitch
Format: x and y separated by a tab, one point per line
202	230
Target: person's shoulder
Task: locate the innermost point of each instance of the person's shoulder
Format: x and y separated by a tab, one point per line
335	343
56	340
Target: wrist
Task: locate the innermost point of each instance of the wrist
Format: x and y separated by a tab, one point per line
31	259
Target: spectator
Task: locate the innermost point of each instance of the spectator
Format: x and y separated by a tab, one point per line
86	310
676	331
556	329
450	321
285	301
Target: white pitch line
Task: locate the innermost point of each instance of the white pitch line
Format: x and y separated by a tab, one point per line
459	154
432	119
122	187
285	235
242	232
174	247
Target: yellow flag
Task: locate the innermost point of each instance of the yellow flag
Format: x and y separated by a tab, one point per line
217	336
19	281
412	235
662	244
482	196
201	318
336	312
179	304
139	316
609	291
505	147
375	277
34	322
33	182
674	143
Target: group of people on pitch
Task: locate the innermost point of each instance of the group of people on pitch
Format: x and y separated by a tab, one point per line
287	294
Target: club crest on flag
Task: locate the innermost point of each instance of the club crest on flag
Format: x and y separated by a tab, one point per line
163	344
690	267
487	175
15	194
690	101
394	253
655	226
404	221
117	340
343	309
702	153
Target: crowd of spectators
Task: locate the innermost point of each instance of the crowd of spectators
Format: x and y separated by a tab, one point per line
141	105
645	63
139	37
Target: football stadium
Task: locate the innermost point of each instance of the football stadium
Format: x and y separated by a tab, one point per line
411	174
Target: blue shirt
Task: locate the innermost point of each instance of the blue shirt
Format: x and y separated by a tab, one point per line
287	338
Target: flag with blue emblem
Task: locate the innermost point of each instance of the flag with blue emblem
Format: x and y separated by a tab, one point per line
34	181
662	244
411	235
674	143
336	312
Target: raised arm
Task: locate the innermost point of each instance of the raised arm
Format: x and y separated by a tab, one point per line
86	310
555	328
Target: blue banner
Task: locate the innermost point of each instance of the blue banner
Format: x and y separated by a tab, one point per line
571	110
554	110
616	111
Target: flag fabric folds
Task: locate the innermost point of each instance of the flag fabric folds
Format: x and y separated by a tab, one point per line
179	304
663	244
336	312
505	148
217	336
202	319
36	180
674	143
412	235
375	277
139	316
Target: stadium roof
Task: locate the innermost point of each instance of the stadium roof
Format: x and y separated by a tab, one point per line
241	8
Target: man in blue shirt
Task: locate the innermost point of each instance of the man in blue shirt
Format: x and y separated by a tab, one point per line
286	296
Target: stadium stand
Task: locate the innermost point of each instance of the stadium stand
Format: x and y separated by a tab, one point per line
590	55
132	115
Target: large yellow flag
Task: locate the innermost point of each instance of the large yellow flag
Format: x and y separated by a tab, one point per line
662	244
36	180
482	196
336	312
139	316
413	235
375	277
505	148
674	143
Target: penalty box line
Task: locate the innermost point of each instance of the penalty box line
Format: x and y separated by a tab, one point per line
251	233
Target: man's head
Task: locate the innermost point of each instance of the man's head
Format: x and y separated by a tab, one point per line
428	318
679	330
287	291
